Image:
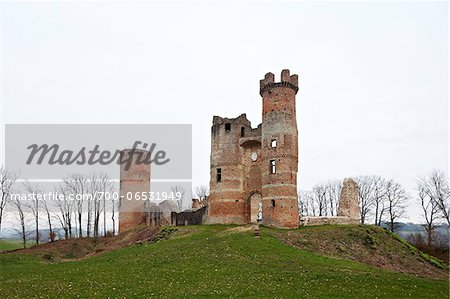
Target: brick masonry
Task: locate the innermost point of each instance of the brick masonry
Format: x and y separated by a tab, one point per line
242	183
132	181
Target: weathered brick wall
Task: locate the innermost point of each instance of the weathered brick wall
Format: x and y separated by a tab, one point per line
229	152
279	192
134	180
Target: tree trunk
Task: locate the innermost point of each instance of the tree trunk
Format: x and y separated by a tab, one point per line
80	228
430	237
376	214
37	229
24	235
104	217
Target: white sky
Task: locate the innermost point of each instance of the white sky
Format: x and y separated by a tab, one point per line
373	76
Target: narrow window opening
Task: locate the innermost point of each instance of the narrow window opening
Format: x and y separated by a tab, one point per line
219	175
227	127
272	167
242	132
273	143
272	201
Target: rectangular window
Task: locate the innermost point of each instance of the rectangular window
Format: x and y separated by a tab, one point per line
273	143
227	127
272	167
242	132
219	175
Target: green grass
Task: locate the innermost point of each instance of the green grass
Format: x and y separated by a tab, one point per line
432	260
209	262
10	244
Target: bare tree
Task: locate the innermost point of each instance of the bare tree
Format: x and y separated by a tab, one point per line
21	215
34	190
77	185
180	199
396	198
430	211
304	203
319	196
99	185
114	209
201	192
51	233
7	179
366	186
65	206
435	185
307	203
333	192
379	198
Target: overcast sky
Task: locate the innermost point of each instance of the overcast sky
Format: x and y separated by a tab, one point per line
373	76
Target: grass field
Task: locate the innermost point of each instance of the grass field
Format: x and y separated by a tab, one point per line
10	244
209	261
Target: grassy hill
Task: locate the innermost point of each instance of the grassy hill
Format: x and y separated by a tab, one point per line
10	244
217	261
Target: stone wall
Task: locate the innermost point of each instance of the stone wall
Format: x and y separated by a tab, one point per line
349	200
324	220
189	217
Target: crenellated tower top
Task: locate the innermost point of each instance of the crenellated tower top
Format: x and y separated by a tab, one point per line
268	83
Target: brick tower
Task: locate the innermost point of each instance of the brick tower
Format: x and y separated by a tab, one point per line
279	151
135	179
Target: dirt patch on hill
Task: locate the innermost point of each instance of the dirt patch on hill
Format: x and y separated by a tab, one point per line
237	229
367	244
86	247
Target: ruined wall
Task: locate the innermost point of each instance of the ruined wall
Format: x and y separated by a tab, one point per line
250	146
325	220
190	217
232	142
349	200
279	124
135	179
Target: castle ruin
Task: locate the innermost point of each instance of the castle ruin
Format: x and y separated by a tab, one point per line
254	170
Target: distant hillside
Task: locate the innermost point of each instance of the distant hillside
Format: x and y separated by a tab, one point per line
31	234
405	229
226	261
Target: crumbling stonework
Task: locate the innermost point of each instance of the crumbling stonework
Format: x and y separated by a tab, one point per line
198	204
255	169
133	181
189	217
349	200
